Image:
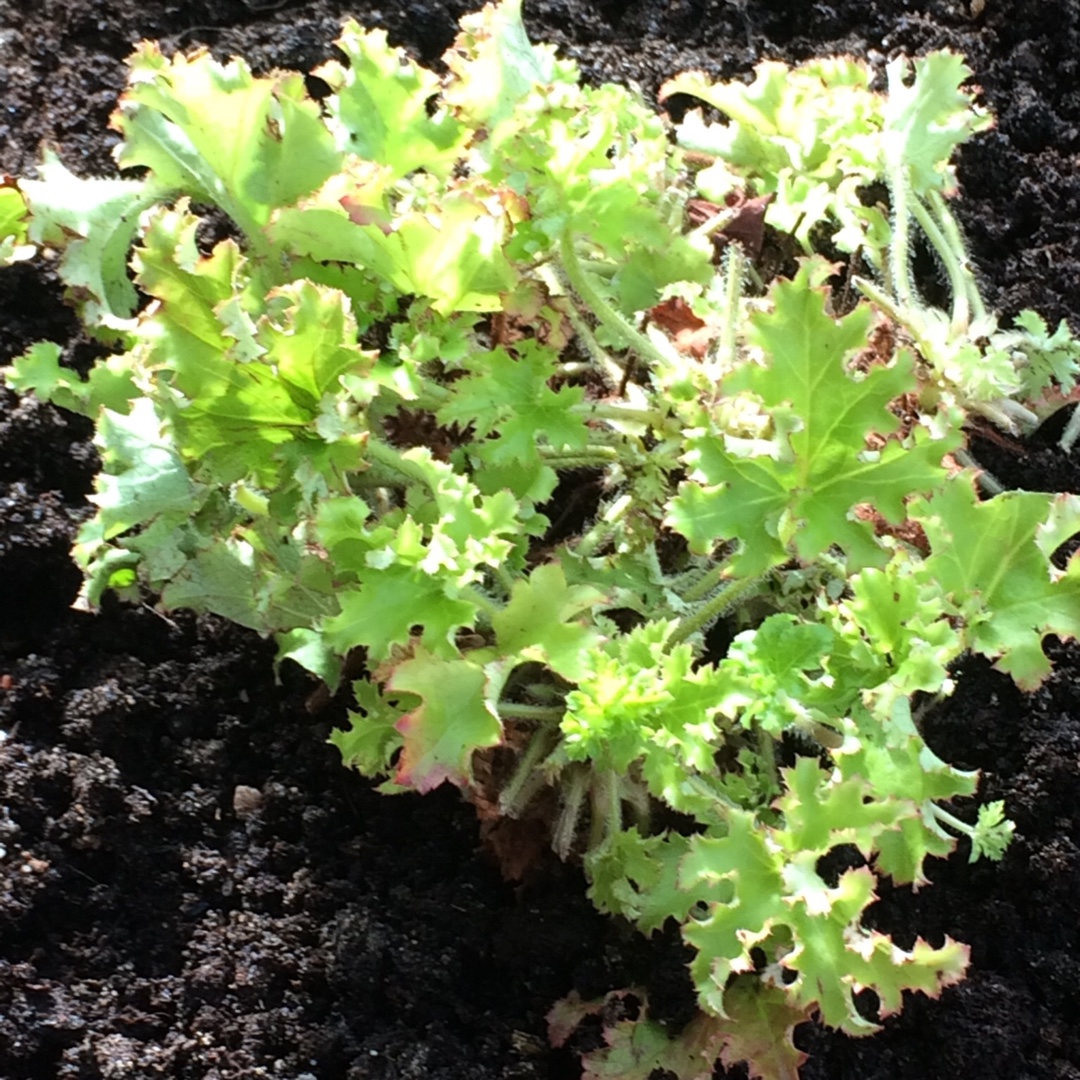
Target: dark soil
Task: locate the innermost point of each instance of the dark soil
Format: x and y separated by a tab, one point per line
190	884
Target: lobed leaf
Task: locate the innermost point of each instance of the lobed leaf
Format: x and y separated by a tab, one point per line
380	106
799	498
93	222
988	558
220	134
928	118
456	718
536	623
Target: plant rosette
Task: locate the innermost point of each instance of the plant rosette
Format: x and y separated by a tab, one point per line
484	390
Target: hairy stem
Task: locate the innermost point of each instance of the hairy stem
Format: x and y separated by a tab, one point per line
575	785
767	754
713	608
390	458
951	259
955	241
488	608
614	371
515	710
604	529
528	777
610	410
590	457
608	317
606	820
701	588
733	279
899	249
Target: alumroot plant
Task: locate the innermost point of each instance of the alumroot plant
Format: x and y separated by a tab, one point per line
350	425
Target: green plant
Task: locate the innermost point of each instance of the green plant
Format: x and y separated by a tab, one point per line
13	246
444	304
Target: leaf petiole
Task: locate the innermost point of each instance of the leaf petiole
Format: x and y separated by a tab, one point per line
608	317
719	604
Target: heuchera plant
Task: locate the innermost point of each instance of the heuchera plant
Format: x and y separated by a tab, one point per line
478	379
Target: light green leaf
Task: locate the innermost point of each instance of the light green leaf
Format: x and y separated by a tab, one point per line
457	259
342	529
993	833
382	610
221	579
511	396
310	650
13	221
457	717
373	739
538	623
380	104
228	405
451	254
640	699
801	499
216	132
991	559
927	116
891	756
494	65
637	877
771	673
143	476
734	925
93	223
805	135
821	812
309	334
109	385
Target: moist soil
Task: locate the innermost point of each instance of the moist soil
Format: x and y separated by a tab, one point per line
192	887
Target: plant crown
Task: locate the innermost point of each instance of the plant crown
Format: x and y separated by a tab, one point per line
482	375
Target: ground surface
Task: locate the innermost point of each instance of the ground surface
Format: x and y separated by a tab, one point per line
191	886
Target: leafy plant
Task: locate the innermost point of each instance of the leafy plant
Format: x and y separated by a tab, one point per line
446	308
13	246
819	143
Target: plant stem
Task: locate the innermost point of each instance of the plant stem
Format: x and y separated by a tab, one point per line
609	410
608	317
951	259
603	530
986	480
570	368
712	579
733	276
613	370
712	609
606	809
878	296
487	607
575	786
505	579
767	754
1071	432
899	253
713	225
954	239
519	711
387	456
949	819
591	457
527	778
